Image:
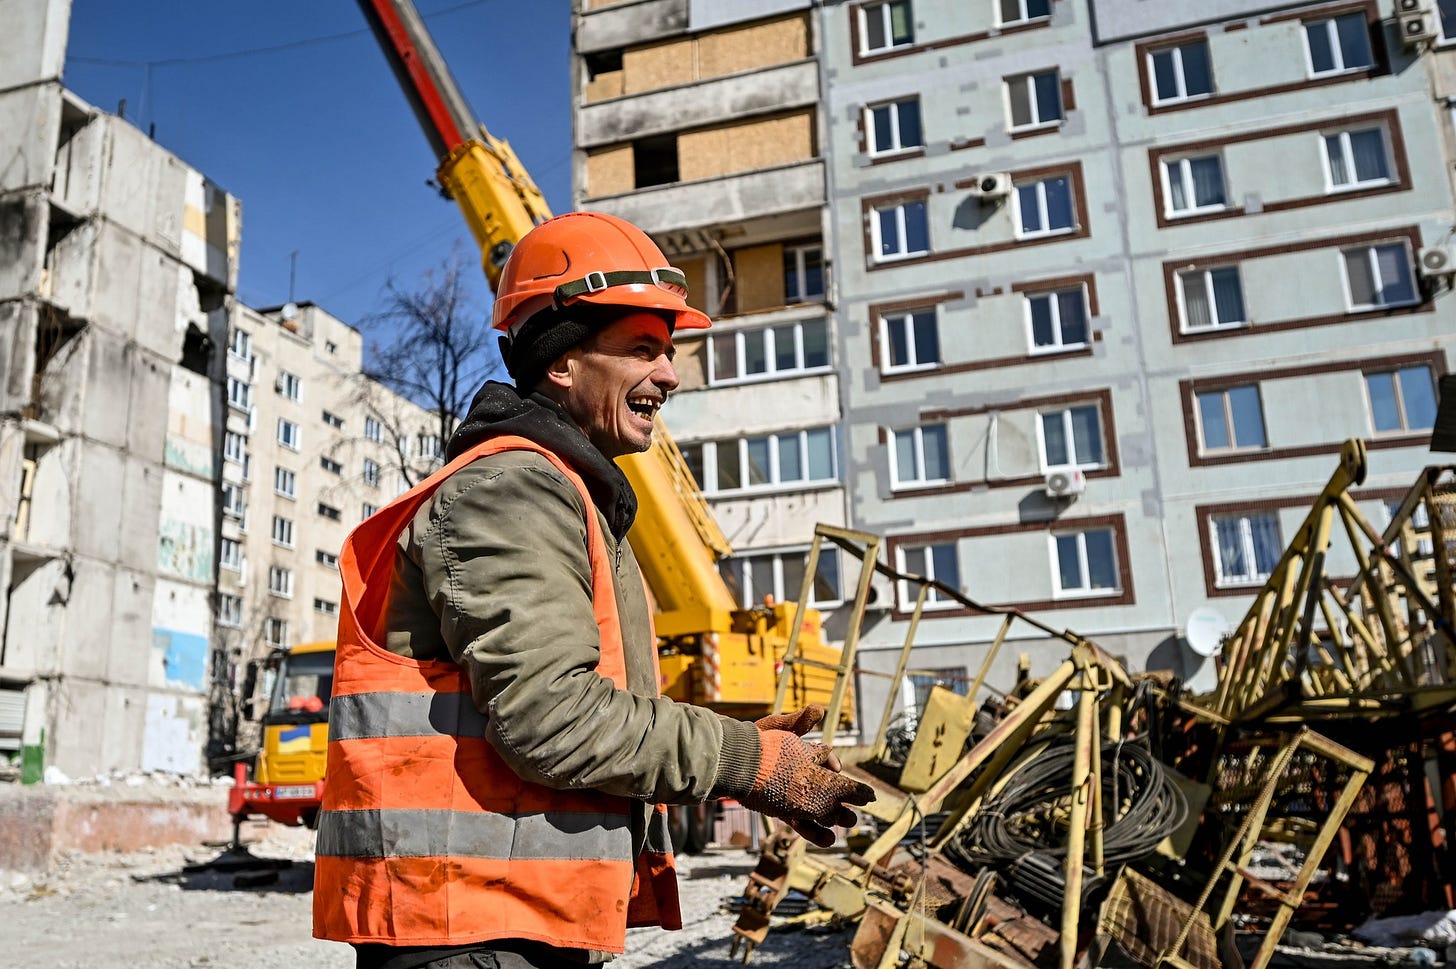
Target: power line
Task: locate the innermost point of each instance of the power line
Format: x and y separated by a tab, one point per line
254	51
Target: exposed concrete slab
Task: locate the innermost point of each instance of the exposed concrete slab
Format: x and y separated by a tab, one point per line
17	354
33	44
689	205
22	229
707	14
31	118
725	99
630	24
38	824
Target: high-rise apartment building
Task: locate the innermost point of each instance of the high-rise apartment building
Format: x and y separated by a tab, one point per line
1116	280
1112	281
117	270
311	447
701	123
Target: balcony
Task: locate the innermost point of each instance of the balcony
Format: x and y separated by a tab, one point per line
715	201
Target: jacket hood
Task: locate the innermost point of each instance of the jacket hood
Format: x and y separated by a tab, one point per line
500	409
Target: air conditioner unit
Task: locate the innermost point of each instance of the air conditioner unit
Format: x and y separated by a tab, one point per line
1436	261
992	185
1413	19
1065	483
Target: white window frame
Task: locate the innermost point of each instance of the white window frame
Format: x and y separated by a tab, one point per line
770	344
285	482
373	430
280	582
897	143
234	501
330	465
799	255
709	453
282	531
1348	153
1037	121
275	632
290	386
1024	18
882	10
1180	77
229	610
1205	276
1063	416
1184	165
240	344
933	597
1339	52
333	420
326	607
233	446
752	591
230	555
371	472
336	516
1052	296
1042	212
877	243
1084	591
1399	393
289	433
428	445
906	319
239	394
1228	416
329	560
915	440
368	509
1372	253
1221	579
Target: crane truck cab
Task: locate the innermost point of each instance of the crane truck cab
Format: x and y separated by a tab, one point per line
287	780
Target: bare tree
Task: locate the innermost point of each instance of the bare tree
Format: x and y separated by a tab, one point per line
434	346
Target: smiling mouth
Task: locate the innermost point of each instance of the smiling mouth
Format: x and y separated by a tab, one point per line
644	407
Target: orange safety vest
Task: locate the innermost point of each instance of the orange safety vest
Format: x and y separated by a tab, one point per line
426	836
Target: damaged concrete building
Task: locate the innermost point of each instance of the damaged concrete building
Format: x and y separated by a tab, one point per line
1104	290
118	265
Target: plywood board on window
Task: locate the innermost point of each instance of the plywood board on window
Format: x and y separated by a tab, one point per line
746	146
696	270
608	84
758	278
760	45
691	364
609	171
658	66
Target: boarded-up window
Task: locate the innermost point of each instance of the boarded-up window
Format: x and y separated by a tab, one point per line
746	146
759	275
603	75
756	46
609	171
696	270
658	66
692	370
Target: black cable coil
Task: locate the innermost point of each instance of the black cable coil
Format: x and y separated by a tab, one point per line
1028	816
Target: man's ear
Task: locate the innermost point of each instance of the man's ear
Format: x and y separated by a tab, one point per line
560	371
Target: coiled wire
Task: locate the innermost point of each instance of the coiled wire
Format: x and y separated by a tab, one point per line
1029	814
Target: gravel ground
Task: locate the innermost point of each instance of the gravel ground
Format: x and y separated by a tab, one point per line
113	911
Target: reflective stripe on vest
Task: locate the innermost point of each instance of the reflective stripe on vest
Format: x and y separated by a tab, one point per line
426	836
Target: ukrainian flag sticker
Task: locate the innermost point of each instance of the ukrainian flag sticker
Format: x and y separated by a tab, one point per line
295	740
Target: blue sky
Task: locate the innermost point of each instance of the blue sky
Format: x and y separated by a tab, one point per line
315	136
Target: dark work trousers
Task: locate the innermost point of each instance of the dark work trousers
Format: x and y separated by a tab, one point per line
496	954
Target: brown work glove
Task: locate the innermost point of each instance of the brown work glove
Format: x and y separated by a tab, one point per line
800	782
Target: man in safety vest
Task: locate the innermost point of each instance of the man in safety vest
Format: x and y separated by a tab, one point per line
498	751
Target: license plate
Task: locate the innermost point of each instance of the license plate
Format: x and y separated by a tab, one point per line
290	791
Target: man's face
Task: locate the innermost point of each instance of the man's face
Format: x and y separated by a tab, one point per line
616	381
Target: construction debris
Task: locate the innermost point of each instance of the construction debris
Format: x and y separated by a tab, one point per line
1095	817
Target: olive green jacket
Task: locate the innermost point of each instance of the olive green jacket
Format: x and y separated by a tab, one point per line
494	574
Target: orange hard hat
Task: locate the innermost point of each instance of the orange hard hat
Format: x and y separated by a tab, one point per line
590	257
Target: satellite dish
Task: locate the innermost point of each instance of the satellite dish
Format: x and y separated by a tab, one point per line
1205	631
290	310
